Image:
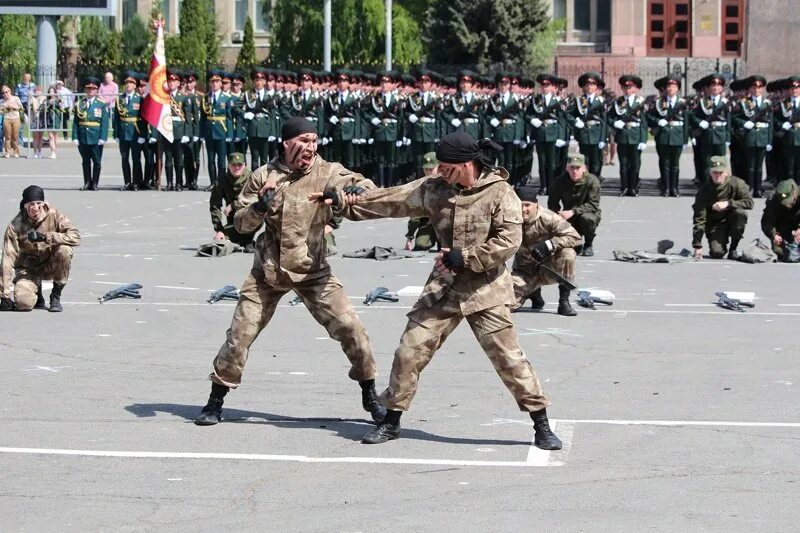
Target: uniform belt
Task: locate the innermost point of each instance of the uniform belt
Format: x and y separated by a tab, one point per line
129	119
217	119
549	121
507	121
592	122
95	124
389	120
762	125
632	124
470	121
427	120
261	115
719	123
675	123
347	119
796	125
312	119
177	119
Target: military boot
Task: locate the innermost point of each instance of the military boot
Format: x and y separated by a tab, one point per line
544	438
369	400
39	298
537	302
734	254
564	307
212	412
55	298
587	250
387	430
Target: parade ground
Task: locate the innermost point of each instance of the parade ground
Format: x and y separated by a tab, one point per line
676	415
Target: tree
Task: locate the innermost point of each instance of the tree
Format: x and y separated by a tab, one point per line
198	43
17	47
135	38
247	54
92	39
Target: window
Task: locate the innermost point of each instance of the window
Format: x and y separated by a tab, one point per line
128	11
240	14
559	9
604	15
669	24
583	15
732	23
261	22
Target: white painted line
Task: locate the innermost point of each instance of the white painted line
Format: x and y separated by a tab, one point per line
689	305
788	305
675	423
411	290
537	457
109	282
264	457
566	431
178	288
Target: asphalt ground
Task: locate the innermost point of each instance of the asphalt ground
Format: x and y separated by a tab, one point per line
676	415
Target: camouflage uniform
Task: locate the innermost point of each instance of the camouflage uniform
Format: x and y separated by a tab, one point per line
485	224
26	264
543	226
290	256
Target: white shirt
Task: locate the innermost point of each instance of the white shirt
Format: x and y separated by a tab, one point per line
505	98
343	96
797	102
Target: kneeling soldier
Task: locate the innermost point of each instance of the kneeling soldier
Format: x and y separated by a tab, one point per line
37	246
226	190
781	219
547	239
576	197
720	211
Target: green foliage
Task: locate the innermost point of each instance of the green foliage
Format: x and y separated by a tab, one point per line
113	52
247	54
92	39
17	47
197	45
407	48
135	38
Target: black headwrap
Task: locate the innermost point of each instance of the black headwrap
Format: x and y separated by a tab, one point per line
527	194
32	193
297	126
460	147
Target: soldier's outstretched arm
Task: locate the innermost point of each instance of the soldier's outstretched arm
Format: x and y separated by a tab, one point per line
393	202
506	236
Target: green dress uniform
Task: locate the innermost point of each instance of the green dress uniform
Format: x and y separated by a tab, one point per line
385	113
721	226
344	114
191	153
587	117
583	199
787	120
502	114
421	122
669	122
782	216
127	134
181	112
260	113
90	129
217	130
226	191
464	112
627	117
753	118
710	123
239	142
547	127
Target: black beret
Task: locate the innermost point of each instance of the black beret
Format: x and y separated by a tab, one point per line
297	126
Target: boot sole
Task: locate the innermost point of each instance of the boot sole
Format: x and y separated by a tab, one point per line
381	441
205	422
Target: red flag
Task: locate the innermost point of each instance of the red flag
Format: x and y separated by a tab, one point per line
156	106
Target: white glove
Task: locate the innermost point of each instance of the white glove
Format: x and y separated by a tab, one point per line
749	125
280	139
249	116
101	142
398	143
619	124
334	119
237	139
663	122
694	141
371	141
769	148
324	141
786	126
517	142
375	121
579	124
703	124
494	122
455	122
152	140
412	118
229	140
406	141
76	142
601	145
641	146
727	144
523	145
195	139
536	123
560	143
271	138
184	139
140	140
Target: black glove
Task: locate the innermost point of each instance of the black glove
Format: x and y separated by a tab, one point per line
6	304
454	259
35	236
262	204
331	195
354	189
541	251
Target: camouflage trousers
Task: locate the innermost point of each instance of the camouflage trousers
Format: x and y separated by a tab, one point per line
326	301
427	330
27	281
525	281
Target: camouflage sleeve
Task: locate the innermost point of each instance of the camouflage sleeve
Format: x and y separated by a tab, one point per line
393	202
246	219
66	233
506	231
768	219
742	198
10	253
592	203
699	218
563	235
340	177
215	207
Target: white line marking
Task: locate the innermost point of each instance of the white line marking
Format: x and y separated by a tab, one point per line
788	305
689	305
265	457
537	457
53	369
109	282
410	290
566	431
178	288
675	423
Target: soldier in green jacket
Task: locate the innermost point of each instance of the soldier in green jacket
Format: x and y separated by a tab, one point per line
260	106
628	117
781	219
239	143
421	234
342	109
421	117
217	125
587	116
385	112
710	123
191	150
180	109
720	211
576	197
126	132
89	132
464	110
669	121
788	121
548	131
753	117
226	191
502	115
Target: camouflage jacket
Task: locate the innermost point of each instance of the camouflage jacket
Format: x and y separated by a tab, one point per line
483	222
545	225
293	242
22	255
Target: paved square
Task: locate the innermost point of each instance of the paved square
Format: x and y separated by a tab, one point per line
676	415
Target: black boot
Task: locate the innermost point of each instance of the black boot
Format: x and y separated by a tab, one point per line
733	254
55	298
39	298
564	307
544	438
212	412
369	400
537	302
587	250
387	430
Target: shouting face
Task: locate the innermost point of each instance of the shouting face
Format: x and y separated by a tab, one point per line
299	152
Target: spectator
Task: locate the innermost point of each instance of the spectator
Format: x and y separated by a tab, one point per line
65	103
52	119
36	111
108	90
11	107
22	91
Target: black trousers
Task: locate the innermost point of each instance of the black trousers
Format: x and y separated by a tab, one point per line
548	160
791	158
91	158
669	160
189	163
630	161
754	167
217	153
259	152
705	151
594	158
173	160
586	224
344	152
126	149
505	157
